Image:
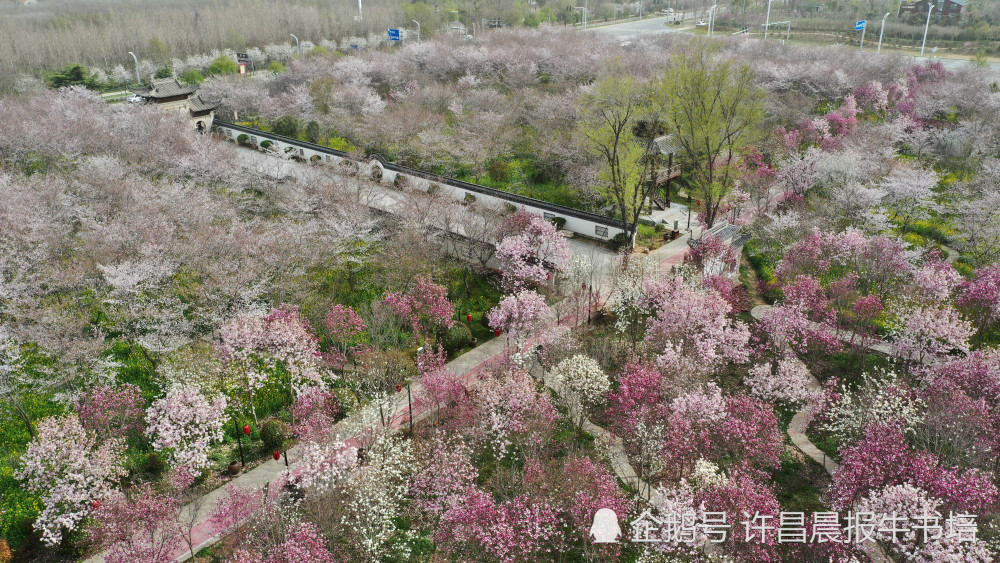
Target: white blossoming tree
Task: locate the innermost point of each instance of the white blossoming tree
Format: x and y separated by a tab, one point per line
581	383
184	424
70	469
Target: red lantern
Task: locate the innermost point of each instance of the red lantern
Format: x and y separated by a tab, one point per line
276	455
584	285
399	388
246	429
96	504
496	332
548	275
468	317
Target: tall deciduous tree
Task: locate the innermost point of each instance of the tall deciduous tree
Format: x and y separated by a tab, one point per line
714	111
616	130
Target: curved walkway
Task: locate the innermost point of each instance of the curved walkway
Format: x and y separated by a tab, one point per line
797	432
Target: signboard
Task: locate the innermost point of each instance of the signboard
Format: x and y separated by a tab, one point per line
860	25
243	68
354	46
394	35
243	58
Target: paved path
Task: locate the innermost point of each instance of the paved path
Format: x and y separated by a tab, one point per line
797	432
465	368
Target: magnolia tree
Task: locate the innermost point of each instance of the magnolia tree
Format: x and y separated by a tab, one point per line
424	308
520	316
582	384
931	536
184	424
691	331
532	251
71	470
112	411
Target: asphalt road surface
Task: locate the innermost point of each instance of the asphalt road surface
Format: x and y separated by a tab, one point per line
627	31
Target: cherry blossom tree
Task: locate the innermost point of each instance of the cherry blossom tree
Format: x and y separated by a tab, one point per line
254	346
929	332
184	424
786	380
980	299
70	469
520	316
139	527
533	250
909	192
345	328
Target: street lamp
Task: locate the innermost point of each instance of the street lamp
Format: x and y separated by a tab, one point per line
880	32
418	29
360	15
137	80
298	47
711	18
767	22
930	8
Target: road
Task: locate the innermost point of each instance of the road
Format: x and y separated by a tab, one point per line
628	31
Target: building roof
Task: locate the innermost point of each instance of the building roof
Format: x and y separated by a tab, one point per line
198	104
166	88
667	144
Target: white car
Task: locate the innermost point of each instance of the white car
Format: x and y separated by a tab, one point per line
701	23
135	99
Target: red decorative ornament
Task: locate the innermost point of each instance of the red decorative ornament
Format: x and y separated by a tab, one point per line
548	275
399	388
276	455
246	429
496	332
584	285
96	504
468	317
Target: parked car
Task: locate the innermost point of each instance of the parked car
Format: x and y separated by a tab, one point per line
700	23
135	99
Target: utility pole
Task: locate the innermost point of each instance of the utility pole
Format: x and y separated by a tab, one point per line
767	22
418	29
298	46
930	9
136	59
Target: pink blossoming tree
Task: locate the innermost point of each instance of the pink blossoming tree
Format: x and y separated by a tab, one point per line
424	308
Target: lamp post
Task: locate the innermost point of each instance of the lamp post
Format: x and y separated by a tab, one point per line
136	59
863	30
298	46
711	18
360	15
767	22
246	430
418	29
880	32
930	9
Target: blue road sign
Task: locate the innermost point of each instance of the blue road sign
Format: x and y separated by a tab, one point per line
860	25
394	35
